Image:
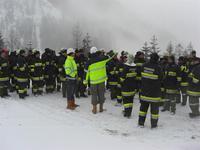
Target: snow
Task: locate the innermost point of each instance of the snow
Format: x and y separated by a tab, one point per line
43	123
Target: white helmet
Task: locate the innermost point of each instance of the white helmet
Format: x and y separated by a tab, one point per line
93	50
70	50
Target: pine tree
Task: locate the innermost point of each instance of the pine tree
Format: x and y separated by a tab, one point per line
154	45
1	42
179	50
170	49
189	48
146	50
87	43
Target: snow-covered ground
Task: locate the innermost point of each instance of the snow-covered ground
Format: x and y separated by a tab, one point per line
43	123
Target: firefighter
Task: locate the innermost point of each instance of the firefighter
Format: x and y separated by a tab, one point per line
71	76
112	75
97	76
128	87
36	73
13	69
61	71
171	83
184	70
119	72
80	61
22	77
139	61
4	74
163	63
49	64
150	90
194	88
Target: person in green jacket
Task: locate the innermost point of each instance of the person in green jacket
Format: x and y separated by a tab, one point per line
95	74
71	76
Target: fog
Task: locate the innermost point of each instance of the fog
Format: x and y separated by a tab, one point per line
112	24
127	24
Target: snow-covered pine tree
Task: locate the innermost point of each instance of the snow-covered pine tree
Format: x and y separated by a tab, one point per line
146	50
189	48
1	42
170	49
154	45
179	50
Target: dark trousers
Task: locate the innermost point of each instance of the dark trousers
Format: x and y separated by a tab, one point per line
64	89
71	87
128	105
119	94
154	113
80	88
37	87
184	95
113	91
3	91
22	89
178	97
170	102
58	84
194	104
50	84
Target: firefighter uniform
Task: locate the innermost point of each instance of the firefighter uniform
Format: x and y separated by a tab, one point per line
194	90
184	71
150	90
112	78
171	83
13	69
129	88
36	73
4	76
61	72
119	72
139	61
49	70
80	61
22	77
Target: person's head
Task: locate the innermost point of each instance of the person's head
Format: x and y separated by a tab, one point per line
181	60
193	54
47	50
71	52
171	59
154	58
37	54
139	55
22	53
93	50
4	53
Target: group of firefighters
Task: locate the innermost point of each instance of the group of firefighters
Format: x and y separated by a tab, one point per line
159	82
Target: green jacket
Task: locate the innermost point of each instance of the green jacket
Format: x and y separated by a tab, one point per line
70	68
96	70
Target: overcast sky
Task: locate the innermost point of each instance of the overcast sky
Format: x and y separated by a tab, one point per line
126	24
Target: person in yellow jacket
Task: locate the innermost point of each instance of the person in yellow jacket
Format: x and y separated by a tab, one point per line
95	74
71	76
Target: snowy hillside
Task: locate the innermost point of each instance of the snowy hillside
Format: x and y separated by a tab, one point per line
43	123
27	19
